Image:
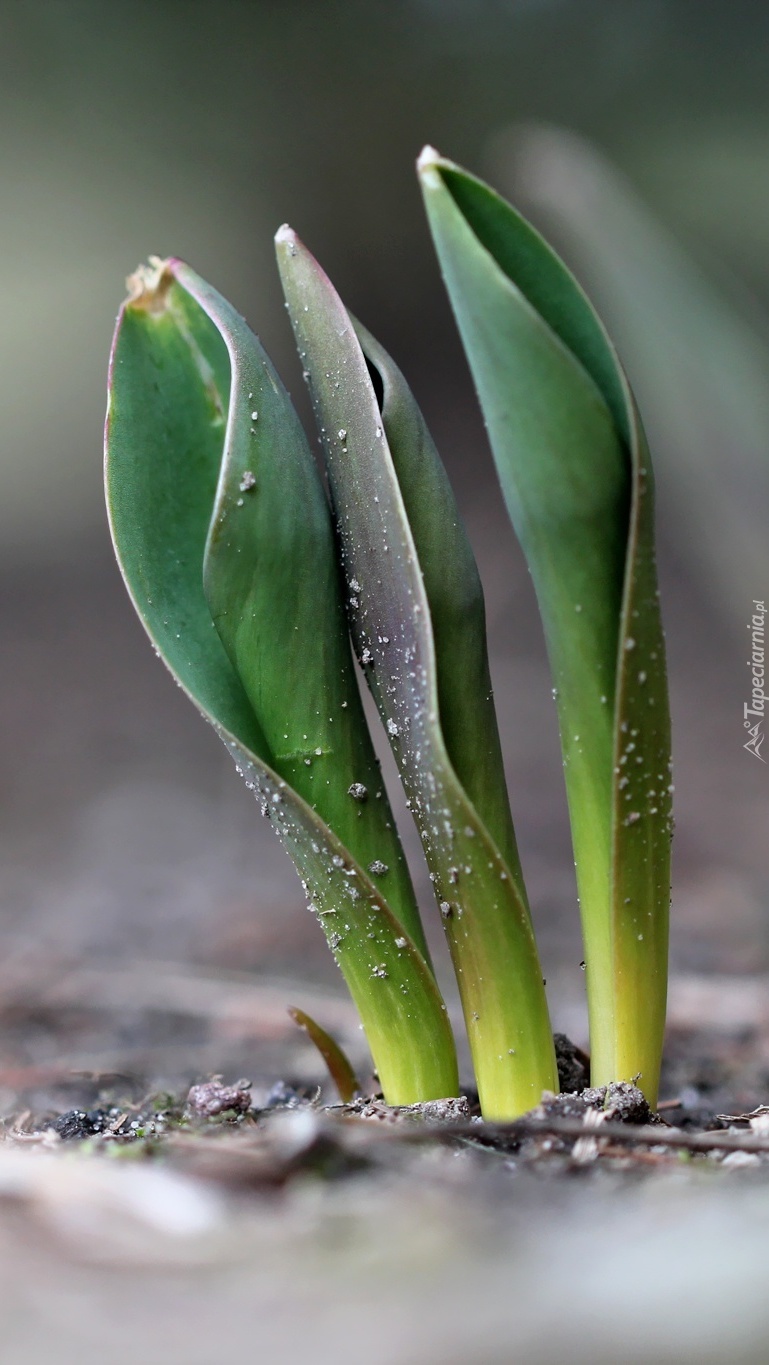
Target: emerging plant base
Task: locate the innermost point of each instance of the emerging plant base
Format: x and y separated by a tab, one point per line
219	1132
312	1225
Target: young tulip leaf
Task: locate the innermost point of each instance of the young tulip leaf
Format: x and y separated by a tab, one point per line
575	472
225	542
697	357
416	613
337	1062
454	595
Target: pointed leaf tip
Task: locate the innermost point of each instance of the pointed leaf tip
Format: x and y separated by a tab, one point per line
428	161
285	235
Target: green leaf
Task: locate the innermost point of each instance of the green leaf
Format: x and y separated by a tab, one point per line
576	476
416	612
337	1062
198	489
699	360
457	613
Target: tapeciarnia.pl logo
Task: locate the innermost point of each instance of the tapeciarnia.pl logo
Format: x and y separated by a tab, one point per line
754	710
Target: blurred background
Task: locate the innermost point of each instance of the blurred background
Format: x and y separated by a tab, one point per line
137	882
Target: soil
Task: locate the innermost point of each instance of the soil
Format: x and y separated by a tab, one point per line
138	1186
217	1130
715	1076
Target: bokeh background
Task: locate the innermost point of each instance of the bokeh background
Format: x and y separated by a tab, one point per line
637	133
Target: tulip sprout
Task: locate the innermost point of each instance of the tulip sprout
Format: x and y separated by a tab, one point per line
252	589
